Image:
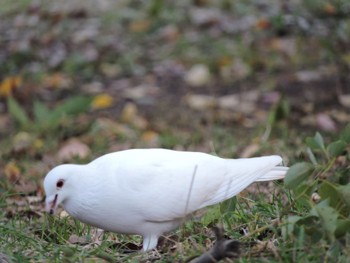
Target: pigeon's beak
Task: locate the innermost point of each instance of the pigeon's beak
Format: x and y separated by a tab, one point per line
51	205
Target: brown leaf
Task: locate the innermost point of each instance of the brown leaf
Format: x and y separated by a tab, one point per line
57	80
25	187
200	102
198	75
140	26
344	100
130	115
249	151
12	172
74	239
325	122
22	141
73	148
9	84
151	138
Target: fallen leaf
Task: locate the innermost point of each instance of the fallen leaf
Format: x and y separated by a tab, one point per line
129	112
73	148
284	45
231	101
200	102
34	199
4	258
94	87
263	24
170	33
250	150
151	138
63	214
140	26
308	75
325	122
25	187
329	9
110	70
12	172
57	80
143	94
74	239
198	75
85	34
4	122
9	84
102	101
130	115
205	16
22	141
344	100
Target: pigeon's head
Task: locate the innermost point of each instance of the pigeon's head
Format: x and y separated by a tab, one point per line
58	186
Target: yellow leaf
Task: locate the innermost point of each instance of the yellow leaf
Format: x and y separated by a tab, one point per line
140	26
9	84
57	80
150	136
102	101
263	24
12	172
329	9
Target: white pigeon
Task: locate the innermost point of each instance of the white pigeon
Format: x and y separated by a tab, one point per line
150	191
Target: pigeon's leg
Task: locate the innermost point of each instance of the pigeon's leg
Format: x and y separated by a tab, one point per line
149	242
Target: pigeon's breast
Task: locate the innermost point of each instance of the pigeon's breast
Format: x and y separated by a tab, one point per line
107	211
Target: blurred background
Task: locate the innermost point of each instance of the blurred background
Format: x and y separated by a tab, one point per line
237	78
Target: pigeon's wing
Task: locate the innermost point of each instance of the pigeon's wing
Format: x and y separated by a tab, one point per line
166	185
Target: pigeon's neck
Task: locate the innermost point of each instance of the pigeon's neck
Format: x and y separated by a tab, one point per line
84	186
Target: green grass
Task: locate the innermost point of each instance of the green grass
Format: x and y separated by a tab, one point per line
260	218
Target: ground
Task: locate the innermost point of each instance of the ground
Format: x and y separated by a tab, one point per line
234	78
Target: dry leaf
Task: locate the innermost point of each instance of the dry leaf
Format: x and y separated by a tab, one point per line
141	93
94	87
110	70
249	151
4	122
200	102
308	75
57	80
63	214
263	24
9	84
74	239
151	138
129	112
329	9
198	75
22	141
102	101
139	26
285	45
12	172
4	258
25	187
73	148
325	122
344	100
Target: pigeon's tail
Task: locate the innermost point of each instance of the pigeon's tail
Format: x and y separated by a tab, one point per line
243	172
278	172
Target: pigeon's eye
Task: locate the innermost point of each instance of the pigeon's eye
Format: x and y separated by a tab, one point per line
59	183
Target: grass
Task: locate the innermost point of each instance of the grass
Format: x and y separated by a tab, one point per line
136	39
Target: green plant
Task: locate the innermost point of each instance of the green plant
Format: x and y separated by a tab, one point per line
321	204
44	119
